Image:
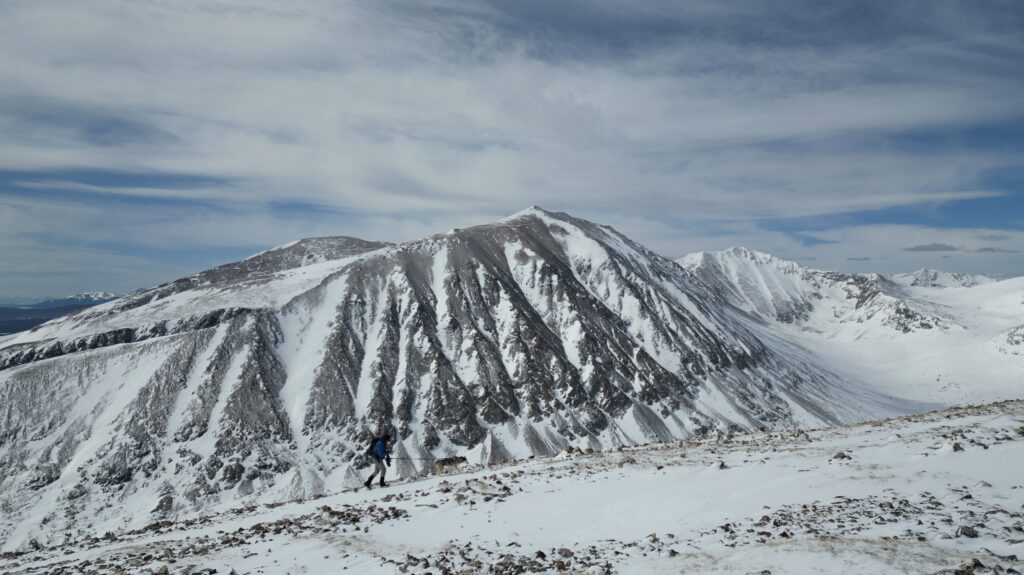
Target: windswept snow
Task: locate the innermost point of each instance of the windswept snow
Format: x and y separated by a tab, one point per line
936	493
269	279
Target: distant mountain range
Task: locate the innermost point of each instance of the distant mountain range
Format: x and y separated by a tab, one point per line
935	278
29	314
81	299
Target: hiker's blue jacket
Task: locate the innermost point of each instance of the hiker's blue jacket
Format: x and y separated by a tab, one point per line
379	450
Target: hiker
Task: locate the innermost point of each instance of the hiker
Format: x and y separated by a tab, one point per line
380	453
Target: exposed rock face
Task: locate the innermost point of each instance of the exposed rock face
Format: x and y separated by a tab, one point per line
267	377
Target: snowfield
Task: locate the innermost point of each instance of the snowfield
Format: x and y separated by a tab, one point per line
941	492
940	344
975	360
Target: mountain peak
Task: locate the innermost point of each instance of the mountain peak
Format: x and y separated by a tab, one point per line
745	252
93	295
736	254
937	278
80	300
322	245
535	211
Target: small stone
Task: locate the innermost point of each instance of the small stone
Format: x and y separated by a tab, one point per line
967	531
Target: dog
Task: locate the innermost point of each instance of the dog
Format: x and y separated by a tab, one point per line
451	463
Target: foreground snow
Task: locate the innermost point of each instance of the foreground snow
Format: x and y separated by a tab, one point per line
919	494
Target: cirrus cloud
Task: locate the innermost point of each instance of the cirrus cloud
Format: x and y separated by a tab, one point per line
245	123
932	247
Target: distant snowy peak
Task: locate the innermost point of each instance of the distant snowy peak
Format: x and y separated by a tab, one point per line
760	283
737	258
82	300
785	291
936	278
93	297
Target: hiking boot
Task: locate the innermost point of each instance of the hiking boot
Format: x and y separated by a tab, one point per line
368	484
382	484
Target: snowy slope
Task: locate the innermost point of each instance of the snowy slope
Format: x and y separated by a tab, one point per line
264	378
935	493
819	300
266	280
952	345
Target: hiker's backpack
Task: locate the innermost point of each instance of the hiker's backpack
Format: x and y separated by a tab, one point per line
372	446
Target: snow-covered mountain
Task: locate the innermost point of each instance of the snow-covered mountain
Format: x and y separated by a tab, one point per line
17	301
91	298
788	292
263	379
31	314
75	300
936	278
950	346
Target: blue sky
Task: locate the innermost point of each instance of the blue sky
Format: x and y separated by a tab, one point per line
144	141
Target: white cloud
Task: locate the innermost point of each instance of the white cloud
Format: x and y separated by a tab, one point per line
414	119
886	245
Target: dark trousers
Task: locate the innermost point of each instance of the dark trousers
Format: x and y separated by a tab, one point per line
380	468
